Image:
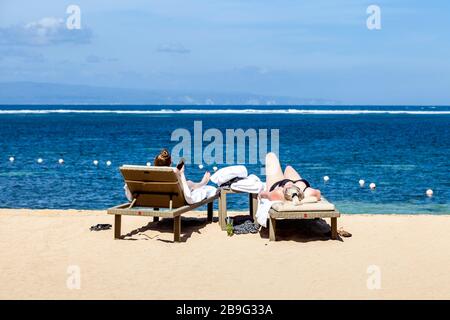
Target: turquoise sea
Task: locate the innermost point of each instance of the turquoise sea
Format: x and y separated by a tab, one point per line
403	150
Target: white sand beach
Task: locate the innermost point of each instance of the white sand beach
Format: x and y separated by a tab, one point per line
411	253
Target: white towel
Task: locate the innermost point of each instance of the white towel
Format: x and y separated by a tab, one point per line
262	214
198	194
128	193
309	199
226	174
251	184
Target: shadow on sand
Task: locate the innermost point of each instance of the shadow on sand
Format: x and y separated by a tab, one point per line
295	230
301	231
287	230
189	225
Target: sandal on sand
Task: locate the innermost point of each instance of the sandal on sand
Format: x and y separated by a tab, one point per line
344	233
100	226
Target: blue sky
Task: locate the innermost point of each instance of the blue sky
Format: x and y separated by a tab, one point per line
308	49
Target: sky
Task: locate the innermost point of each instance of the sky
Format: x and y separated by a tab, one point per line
307	49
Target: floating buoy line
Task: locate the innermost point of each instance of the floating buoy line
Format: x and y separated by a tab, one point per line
429	192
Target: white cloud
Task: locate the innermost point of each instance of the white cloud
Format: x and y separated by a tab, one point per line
47	31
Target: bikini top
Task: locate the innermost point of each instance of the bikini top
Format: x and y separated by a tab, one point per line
283	182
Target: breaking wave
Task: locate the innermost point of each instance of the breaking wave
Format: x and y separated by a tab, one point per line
223	111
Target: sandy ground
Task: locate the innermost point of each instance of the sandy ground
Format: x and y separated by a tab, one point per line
388	257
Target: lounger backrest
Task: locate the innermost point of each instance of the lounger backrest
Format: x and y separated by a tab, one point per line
154	186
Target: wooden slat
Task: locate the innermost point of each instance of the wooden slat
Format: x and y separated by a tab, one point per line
303	214
139	211
154	186
140	173
150	212
153	183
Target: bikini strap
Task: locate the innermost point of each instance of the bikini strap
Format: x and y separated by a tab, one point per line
279	184
305	182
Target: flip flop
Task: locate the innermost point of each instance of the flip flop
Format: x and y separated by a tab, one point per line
344	233
100	226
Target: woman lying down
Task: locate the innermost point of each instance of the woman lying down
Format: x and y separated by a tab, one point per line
287	186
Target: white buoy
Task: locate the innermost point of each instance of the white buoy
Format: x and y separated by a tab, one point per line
326	178
372	186
95	162
429	192
200	166
215	168
11	159
361	183
148	164
61	161
108	163
40	160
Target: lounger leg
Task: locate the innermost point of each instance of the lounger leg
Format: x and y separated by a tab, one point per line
334	228
222	210
272	226
117	225
176	228
156	219
210	211
253	205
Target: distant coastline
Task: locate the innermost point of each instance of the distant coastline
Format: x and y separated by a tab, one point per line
33	93
226	111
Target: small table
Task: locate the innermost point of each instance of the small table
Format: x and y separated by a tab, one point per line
253	205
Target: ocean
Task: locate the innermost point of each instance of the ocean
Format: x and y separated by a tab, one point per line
403	150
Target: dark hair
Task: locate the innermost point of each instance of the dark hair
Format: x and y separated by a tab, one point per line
163	159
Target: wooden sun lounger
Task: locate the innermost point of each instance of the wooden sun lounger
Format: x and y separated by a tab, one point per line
321	209
157	192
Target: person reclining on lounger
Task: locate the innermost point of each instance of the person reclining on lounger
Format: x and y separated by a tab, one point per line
287	186
163	159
